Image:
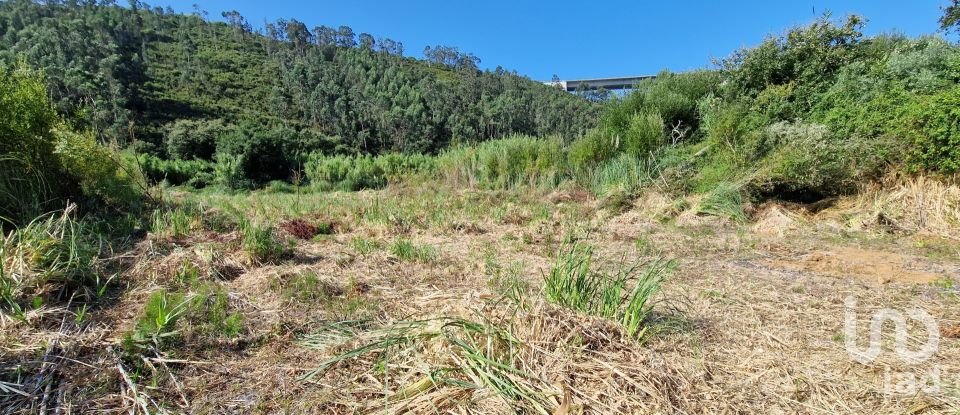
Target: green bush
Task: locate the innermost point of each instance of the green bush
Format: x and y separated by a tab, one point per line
229	172
590	150
29	169
250	156
54	248
674	97
645	134
728	127
194	173
194	139
44	163
936	133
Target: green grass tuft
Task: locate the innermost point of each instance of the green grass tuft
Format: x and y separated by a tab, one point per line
261	243
726	201
574	284
405	250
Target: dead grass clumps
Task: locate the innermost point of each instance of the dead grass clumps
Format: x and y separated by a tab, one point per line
502	359
914	204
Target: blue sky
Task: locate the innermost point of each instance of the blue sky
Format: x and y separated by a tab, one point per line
581	39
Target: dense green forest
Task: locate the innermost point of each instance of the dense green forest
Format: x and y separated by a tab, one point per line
815	112
811	113
143	76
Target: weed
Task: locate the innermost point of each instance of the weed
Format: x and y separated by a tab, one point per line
506	282
156	326
574	284
53	248
81	315
261	244
639	305
204	310
364	246
643	245
405	250
210	313
187	275
482	355
176	223
724	201
304	287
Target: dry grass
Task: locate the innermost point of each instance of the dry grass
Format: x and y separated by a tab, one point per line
913	204
731	332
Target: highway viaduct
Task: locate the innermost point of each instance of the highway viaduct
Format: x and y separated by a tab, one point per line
610	84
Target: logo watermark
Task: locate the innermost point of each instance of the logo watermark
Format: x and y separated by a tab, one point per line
896	382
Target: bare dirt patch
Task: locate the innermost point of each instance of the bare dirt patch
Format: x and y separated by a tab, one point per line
870	265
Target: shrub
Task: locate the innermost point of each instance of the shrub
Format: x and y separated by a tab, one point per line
674	96
251	156
936	133
194	139
194	173
43	164
104	177
229	172
809	55
925	65
728	127
645	134
590	150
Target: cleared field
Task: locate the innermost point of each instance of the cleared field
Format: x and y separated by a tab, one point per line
424	300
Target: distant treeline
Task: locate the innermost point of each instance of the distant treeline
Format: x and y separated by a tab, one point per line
812	113
134	75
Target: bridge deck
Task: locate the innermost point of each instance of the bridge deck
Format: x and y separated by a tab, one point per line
626	82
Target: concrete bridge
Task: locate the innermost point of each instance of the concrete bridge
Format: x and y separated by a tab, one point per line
610	84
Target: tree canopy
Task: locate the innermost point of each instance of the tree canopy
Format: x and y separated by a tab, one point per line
129	74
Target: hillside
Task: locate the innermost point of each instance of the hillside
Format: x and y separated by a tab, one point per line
197	218
130	73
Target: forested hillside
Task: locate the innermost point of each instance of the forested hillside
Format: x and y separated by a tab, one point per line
140	76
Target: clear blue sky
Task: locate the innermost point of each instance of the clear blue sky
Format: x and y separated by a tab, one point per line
580	39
